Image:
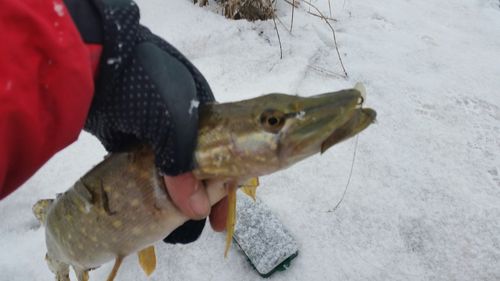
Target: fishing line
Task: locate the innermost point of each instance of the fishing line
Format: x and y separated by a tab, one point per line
350	176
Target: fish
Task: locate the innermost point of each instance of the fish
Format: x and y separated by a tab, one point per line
121	206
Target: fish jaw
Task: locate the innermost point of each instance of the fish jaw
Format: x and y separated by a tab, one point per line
359	121
320	117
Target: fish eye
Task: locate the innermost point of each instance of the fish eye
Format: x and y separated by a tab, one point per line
272	120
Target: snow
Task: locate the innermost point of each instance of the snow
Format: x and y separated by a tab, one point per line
424	198
111	61
193	105
59	9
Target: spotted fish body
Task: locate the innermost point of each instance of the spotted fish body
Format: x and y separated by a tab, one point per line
121	206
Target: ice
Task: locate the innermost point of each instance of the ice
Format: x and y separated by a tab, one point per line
111	61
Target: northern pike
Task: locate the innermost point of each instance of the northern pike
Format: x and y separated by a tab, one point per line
121	206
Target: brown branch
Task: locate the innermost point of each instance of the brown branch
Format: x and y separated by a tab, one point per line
333	32
283	25
330	8
316	15
277	33
325	72
276	27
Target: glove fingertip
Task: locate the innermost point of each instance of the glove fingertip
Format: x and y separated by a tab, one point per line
189	232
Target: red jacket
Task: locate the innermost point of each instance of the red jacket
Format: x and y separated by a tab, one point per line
46	86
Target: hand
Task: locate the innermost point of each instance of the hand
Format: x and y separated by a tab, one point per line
190	196
147	92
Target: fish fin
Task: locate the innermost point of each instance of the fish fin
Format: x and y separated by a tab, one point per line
60	269
40	209
362	90
81	274
231	216
93	192
250	187
118	263
147	259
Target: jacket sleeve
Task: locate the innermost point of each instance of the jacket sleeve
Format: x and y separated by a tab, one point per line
46	86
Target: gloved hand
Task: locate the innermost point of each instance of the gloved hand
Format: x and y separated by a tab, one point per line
146	92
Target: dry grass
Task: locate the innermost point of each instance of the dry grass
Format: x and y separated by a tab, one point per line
265	9
248	9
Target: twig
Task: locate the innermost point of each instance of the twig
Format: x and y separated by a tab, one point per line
325	71
316	15
283	25
293	9
333	32
276	27
279	39
330	8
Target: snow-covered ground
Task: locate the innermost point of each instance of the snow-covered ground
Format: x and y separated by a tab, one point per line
424	199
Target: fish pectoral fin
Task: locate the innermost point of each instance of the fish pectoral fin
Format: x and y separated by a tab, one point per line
147	259
81	274
94	193
40	209
250	187
85	276
60	269
118	263
231	216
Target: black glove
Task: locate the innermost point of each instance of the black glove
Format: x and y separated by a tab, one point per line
146	91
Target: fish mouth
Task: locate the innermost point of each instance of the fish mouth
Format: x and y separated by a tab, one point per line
325	120
360	120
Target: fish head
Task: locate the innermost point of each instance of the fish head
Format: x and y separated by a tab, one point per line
314	124
269	133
